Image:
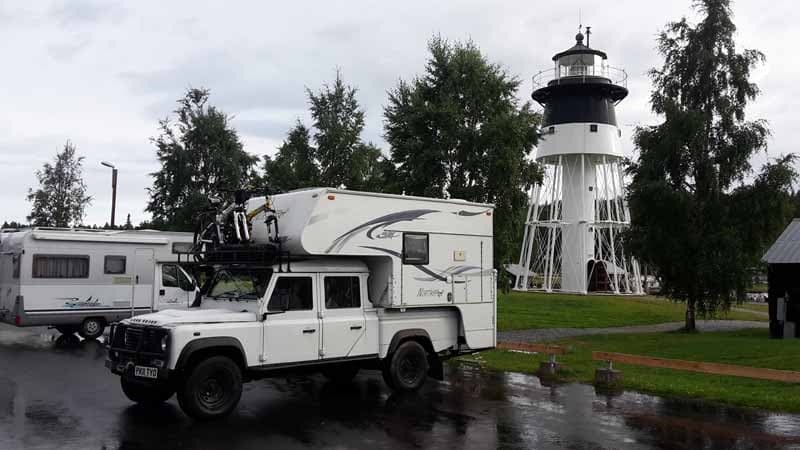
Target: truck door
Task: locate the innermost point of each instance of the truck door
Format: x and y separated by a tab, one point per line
343	320
175	290
292	328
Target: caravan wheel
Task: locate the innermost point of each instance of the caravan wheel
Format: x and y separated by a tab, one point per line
92	328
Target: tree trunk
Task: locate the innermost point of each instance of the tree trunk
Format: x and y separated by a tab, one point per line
691	325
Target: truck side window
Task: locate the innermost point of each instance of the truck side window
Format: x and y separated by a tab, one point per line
184	281
292	294
169	275
114	264
415	248
342	292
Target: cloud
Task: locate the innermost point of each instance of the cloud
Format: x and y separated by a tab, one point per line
102	73
75	13
66	51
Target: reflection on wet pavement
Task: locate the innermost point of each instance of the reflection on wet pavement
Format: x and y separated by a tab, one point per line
55	393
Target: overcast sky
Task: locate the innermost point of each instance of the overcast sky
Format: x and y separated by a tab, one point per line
102	74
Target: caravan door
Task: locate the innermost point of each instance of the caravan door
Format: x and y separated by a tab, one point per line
143	279
175	289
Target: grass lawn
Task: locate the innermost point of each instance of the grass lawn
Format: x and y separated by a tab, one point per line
747	348
760	307
525	310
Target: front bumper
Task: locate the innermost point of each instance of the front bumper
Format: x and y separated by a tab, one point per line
133	345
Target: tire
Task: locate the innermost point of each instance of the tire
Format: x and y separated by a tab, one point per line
211	389
92	328
341	373
387	377
144	394
408	367
66	330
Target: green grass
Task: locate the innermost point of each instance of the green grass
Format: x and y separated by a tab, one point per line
760	307
746	348
525	310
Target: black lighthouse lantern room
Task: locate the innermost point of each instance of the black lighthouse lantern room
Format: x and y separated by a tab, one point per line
581	87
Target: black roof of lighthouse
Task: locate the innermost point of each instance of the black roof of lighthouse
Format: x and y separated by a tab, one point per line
580	49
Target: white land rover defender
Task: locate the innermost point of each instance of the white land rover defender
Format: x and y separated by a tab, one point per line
352	281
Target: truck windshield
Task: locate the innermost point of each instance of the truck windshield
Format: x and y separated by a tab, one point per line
240	284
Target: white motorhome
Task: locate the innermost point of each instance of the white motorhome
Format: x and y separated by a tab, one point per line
356	280
79	280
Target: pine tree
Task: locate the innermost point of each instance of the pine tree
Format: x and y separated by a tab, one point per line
689	197
201	156
60	200
459	131
338	122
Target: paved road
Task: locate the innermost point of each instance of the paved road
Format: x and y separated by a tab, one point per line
56	394
552	334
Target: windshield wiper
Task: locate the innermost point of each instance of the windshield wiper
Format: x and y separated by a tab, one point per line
226	294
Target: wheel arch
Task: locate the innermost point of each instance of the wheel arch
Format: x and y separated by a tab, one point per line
199	349
421	336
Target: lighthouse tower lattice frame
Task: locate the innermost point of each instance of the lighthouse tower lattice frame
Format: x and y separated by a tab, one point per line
573	234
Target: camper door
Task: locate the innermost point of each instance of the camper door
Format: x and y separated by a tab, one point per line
175	287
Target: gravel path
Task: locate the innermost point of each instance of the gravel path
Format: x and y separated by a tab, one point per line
551	334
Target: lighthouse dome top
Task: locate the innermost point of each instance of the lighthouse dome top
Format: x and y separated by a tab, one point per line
581	65
579	51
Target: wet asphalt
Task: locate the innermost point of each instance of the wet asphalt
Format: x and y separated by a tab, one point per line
56	394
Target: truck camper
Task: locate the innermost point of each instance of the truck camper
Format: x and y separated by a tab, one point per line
320	279
80	280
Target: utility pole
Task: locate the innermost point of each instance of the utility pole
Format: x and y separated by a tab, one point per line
113	189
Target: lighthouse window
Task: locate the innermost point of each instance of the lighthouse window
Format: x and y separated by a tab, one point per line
551	130
593	128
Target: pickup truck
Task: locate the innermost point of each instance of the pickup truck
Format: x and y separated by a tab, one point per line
256	323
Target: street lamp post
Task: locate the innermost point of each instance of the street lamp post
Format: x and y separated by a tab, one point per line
113	189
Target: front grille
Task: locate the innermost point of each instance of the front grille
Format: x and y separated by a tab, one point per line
137	339
132	338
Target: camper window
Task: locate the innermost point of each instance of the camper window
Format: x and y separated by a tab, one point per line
415	248
292	294
114	264
60	266
342	292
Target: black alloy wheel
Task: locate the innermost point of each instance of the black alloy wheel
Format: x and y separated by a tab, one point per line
212	389
408	367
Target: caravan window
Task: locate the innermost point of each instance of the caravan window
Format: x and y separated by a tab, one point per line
114	264
60	266
415	248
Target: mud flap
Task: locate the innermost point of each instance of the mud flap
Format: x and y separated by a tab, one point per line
435	367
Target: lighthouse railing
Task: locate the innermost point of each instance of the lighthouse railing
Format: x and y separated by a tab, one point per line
574	73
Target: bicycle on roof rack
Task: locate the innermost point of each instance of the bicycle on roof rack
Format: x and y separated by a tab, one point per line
223	235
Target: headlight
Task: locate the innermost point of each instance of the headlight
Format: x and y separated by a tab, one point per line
164	342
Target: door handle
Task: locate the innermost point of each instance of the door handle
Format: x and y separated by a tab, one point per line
309	330
162	291
355	327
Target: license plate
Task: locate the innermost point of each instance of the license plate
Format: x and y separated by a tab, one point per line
145	372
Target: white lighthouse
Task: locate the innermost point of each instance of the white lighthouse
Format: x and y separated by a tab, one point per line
572	240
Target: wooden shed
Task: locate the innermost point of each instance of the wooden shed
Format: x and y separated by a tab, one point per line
783	277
